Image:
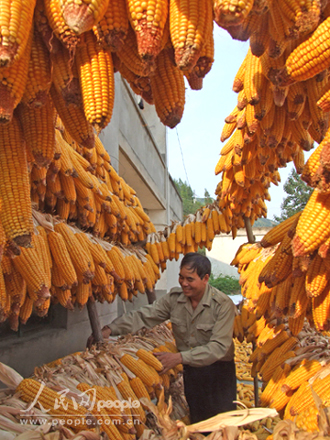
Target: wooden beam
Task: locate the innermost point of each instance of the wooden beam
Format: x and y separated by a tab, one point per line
252	239
94	321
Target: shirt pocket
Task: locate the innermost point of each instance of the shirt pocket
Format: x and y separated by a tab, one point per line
179	329
204	332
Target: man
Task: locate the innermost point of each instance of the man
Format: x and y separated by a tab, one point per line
202	320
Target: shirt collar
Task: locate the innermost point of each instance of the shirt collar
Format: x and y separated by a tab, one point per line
206	299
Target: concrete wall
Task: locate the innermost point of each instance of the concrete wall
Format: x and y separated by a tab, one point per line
136	142
66	333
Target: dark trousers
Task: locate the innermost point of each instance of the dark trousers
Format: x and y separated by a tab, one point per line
210	390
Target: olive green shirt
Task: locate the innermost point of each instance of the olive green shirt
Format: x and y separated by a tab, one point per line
203	336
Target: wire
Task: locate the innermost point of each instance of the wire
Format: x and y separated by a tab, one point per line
184	166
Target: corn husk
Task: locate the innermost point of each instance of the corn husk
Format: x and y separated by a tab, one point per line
5	435
9	376
232	418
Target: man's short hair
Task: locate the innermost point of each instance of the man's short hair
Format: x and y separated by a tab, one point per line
198	263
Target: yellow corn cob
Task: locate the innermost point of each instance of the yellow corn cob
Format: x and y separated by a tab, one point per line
149	359
127	393
168	90
190	27
153	266
312	164
82	16
62	258
311	56
296	324
320	306
42	308
5	297
83	291
53	11
26	310
57	278
148	20
128	54
139	388
38	130
74	120
41	246
238	83
147	374
298	298
279	376
79	257
65	76
303	397
316	277
111	30
324	101
95	67
277	355
139	84
117	263
271	344
16	24
68	188
39	75
279	267
28	389
306	369
12	83
229	12
254	80
307	420
29	264
101	414
206	58
16	212
312	228
62	208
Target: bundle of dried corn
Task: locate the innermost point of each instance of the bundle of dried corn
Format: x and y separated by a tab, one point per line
281	104
68	266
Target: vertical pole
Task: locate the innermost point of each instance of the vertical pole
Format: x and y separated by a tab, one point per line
94	320
151	296
252	239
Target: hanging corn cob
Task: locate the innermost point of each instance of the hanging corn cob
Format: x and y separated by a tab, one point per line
81	17
95	67
168	90
16	213
190	27
148	20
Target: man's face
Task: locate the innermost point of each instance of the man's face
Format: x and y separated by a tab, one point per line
192	286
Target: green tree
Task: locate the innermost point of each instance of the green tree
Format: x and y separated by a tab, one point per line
190	203
207	198
226	283
298	195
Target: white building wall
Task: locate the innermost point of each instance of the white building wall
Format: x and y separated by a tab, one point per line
224	249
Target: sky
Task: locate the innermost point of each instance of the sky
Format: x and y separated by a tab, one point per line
194	144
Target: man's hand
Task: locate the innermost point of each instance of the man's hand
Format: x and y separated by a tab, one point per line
168	360
106	332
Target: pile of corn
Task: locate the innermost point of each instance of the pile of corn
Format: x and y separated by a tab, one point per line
282	102
287	364
75	387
